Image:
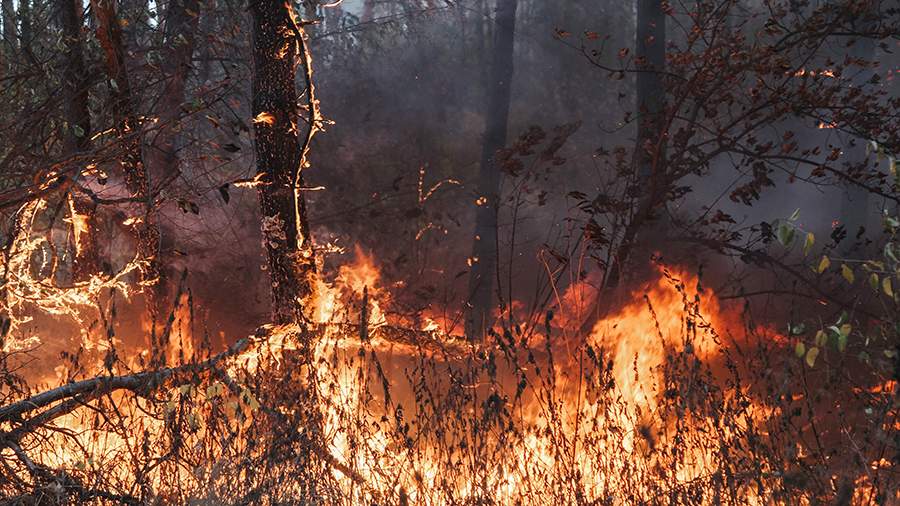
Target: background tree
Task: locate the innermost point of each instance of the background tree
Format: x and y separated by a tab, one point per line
484	245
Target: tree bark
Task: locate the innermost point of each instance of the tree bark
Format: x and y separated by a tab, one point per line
76	138
25	29
123	104
484	246
74	78
281	156
9	26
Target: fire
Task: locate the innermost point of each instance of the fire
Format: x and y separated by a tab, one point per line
633	410
639	337
30	287
813	73
79	223
265	118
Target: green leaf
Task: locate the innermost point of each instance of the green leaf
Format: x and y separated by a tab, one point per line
824	263
193	420
842	318
821	338
847	272
889	252
842	343
811	355
215	390
873	282
808	244
800	349
785	234
78	131
887	287
846	329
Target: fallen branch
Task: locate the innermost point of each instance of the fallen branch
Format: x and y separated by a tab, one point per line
141	383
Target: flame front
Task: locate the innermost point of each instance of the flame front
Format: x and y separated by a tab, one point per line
640	408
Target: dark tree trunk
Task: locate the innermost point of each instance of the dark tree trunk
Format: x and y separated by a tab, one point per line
208	25
649	154
25	20
161	155
484	249
180	33
74	78
650	46
280	156
76	138
10	34
109	33
650	187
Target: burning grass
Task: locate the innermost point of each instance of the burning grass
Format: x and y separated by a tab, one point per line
672	398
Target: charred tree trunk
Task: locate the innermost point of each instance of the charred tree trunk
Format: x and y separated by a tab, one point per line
74	78
484	249
281	156
76	138
109	33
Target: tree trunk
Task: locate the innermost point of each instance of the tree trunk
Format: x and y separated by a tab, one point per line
10	35
180	33
161	155
650	47
368	13
649	153
25	31
281	156
650	189
484	249
76	138
109	33
74	78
